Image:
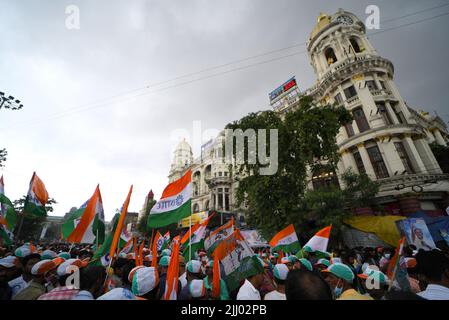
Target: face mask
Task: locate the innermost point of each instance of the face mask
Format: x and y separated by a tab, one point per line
337	290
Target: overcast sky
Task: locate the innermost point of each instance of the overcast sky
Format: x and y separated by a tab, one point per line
92	113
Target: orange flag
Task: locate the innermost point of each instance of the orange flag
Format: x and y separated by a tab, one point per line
394	262
154	251
118	230
141	253
216	279
171	286
136	253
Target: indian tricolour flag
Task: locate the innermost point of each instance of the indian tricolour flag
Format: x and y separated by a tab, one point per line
218	235
286	240
8	215
37	197
83	231
238	260
319	241
196	241
175	203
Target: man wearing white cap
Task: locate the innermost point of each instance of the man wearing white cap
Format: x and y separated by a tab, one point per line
20	283
64	270
250	288
6	264
36	287
280	272
194	272
145	283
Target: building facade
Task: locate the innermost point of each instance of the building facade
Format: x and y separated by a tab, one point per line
388	140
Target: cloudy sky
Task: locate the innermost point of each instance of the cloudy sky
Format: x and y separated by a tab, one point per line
105	103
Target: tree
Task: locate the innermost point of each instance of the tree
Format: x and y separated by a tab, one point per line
333	205
3	154
31	225
7	102
142	224
442	155
306	139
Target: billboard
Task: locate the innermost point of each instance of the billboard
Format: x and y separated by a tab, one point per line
196	217
290	84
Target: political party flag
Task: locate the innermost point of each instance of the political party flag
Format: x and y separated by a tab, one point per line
84	231
8	216
171	286
156	239
37	197
127	248
319	241
73	220
238	260
6	235
397	269
196	241
286	240
216	279
175	203
166	242
101	255
118	231
218	235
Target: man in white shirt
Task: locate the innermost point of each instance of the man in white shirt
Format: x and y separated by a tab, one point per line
280	272
434	265
250	289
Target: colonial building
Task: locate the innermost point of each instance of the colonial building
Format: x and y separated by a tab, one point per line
388	140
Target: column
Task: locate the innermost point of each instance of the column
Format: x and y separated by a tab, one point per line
390	110
414	155
340	171
439	138
366	161
223	199
391	157
427	156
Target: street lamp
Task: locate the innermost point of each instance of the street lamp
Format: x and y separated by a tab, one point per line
9	102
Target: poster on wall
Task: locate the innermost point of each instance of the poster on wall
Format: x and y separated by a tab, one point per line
417	234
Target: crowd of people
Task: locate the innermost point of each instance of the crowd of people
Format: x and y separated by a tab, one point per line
42	272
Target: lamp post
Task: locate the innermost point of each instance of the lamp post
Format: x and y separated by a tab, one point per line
9	102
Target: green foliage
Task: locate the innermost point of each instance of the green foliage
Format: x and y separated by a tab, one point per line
442	155
20	203
333	205
307	139
3	154
31	225
142	224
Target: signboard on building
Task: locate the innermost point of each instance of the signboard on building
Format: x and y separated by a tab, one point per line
196	217
284	88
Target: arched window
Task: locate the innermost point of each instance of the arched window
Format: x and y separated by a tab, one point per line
331	58
196	208
355	45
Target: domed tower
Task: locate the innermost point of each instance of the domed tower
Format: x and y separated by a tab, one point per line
183	158
384	140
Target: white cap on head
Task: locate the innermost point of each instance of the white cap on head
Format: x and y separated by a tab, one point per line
118	294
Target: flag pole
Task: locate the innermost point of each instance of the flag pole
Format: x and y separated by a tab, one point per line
190	238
